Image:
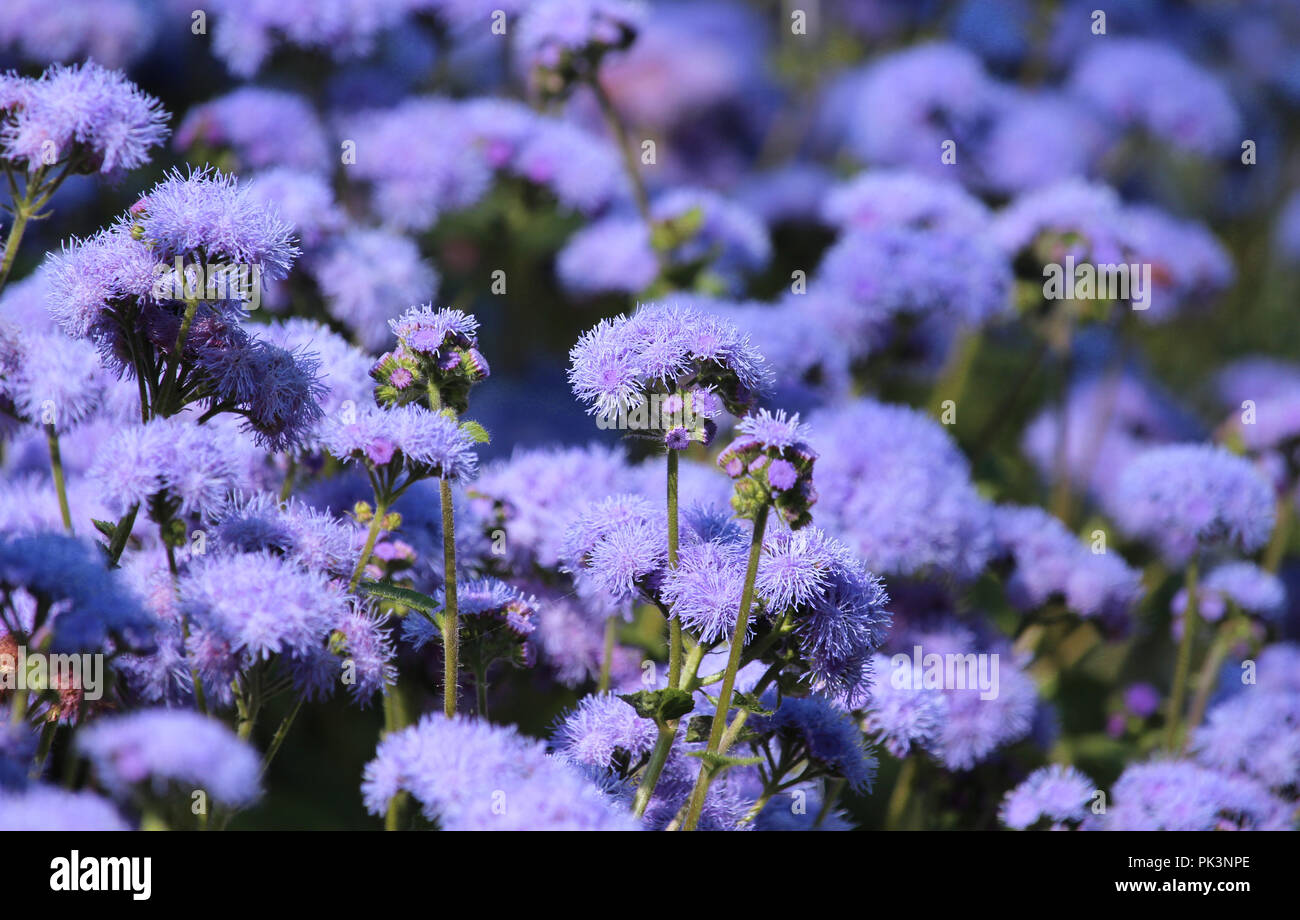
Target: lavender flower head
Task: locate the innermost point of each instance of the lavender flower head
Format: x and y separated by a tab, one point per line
458	768
263	127
899	198
1147	84
669	352
438	349
1059	794
772	464
208	214
424	443
1246	586
82	111
1179	795
1255	733
601	730
899	716
562	41
48	808
829	736
172	748
1188	498
896	489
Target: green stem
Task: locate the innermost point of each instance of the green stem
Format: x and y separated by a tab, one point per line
480	691
1228	633
280	733
372	536
719	725
1191	617
901	795
56	470
667	734
834	789
48	732
1282	529
173	372
616	128
450	617
951	384
610	630
674	624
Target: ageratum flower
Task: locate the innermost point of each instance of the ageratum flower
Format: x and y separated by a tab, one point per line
772	464
902	199
826	734
1057	793
437	352
603	731
618	547
85	112
48	808
90	277
1255	733
666	350
463	770
495	619
168	749
302	198
82	603
411	437
900	716
902	501
314	539
1188	498
562	41
364	274
49	377
1050	562
1145	84
909	102
113	32
581	169
263	127
1037	138
413	183
209	215
1178	795
1244	585
197	465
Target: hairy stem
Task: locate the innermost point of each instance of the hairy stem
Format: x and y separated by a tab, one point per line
729	677
1177	696
901	795
450	617
674	624
56	470
610	629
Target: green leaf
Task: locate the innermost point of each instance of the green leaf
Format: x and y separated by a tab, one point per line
661	705
716	763
404	596
477	432
749	702
107	528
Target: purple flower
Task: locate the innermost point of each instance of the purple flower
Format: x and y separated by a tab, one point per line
495	603
1057	793
259	605
827	734
264	127
195	464
90	276
82	110
1245	585
304	199
1146	84
429	443
365	275
896	489
1187	498
557	39
704	590
888	199
601	728
56	379
470	775
1179	795
900	716
47	808
1255	733
1067	218
1050	562
314	539
1143	700
208	214
909	102
612	255
113	32
172	749
414	183
82	604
